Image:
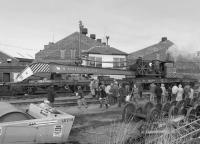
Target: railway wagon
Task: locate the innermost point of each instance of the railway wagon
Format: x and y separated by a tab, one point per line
58	75
37	77
39	124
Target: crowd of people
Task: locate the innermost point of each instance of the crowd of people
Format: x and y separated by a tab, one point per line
110	94
120	93
171	92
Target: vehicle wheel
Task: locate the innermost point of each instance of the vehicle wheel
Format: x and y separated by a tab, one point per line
153	115
128	112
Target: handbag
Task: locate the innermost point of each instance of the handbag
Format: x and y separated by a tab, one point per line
128	98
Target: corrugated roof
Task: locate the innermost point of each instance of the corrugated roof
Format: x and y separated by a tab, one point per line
17	52
105	50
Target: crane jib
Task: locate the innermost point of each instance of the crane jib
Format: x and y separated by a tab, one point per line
67	69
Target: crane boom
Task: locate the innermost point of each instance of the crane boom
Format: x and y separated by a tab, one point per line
41	67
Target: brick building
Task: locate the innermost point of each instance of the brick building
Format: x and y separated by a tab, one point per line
68	49
91	51
186	66
157	51
11	66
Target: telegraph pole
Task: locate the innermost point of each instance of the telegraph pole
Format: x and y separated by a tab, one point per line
78	61
80	30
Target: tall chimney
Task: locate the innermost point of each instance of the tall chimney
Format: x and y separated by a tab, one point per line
164	39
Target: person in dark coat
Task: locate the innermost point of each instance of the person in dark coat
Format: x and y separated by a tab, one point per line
51	95
122	94
140	89
103	96
158	92
169	90
115	92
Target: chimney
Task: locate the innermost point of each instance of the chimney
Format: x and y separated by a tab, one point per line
92	36
163	39
99	40
84	31
104	43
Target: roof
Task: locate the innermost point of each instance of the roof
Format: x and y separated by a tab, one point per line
6	108
52	50
105	50
152	49
16	52
25	60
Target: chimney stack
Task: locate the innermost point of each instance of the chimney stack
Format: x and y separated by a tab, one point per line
104	43
84	31
92	36
99	40
164	39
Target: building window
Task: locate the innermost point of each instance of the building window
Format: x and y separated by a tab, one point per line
62	53
122	62
91	61
95	61
98	62
115	62
73	53
119	62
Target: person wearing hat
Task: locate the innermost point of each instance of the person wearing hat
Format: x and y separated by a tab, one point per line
51	96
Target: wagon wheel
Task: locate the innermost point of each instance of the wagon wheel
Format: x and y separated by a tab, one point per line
191	114
142	68
153	115
128	112
173	111
30	90
147	107
182	111
158	106
165	109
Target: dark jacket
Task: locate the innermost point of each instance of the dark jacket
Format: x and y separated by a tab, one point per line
122	92
51	95
158	91
115	91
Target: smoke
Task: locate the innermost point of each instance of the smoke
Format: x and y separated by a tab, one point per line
183	53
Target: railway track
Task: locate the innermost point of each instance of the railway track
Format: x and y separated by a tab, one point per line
59	101
38	95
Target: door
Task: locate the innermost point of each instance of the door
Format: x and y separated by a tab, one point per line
6	77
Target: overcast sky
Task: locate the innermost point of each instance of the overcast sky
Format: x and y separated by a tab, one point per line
131	24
